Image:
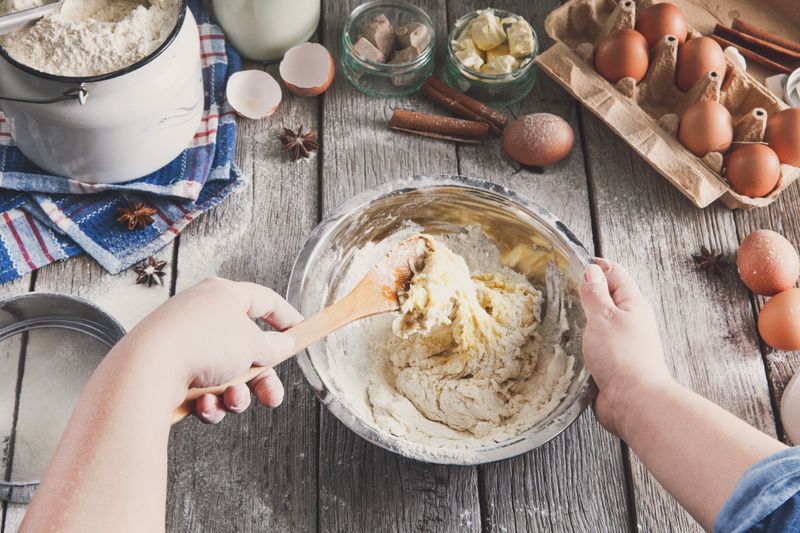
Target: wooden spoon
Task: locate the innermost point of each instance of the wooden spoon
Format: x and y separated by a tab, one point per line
375	294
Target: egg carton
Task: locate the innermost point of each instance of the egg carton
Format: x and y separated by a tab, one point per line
647	114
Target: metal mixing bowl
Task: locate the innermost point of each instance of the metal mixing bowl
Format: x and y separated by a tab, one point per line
528	237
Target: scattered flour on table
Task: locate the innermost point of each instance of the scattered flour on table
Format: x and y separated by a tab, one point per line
90	37
124	299
461	367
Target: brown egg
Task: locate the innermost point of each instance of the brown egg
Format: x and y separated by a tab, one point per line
767	262
696	58
753	170
538	139
783	135
706	126
621	54
660	20
779	321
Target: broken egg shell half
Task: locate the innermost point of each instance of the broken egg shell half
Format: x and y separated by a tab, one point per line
307	69
253	94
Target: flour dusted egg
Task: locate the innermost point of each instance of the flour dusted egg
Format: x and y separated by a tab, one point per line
622	54
307	69
538	139
253	94
767	262
779	321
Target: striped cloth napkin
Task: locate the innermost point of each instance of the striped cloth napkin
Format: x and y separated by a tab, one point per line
46	218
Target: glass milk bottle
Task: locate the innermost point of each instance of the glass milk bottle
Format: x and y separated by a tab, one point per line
264	30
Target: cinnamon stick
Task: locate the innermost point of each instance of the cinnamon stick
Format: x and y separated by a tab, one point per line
755	31
756	44
439	127
442	100
445	95
753	56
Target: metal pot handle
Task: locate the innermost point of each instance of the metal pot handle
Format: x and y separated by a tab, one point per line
79	93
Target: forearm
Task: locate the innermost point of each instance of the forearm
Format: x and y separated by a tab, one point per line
110	470
694	448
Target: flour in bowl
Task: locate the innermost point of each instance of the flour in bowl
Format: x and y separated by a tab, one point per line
90	37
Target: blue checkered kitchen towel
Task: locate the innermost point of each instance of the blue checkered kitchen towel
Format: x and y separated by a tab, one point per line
47	218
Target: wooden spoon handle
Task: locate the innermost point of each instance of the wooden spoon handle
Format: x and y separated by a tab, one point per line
304	335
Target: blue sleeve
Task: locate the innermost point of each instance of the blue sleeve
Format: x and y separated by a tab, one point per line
767	497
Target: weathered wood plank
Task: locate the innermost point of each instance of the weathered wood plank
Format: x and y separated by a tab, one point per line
781	216
706	322
362	487
258	470
577	481
584	465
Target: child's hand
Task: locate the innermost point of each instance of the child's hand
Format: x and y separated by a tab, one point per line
621	344
205	336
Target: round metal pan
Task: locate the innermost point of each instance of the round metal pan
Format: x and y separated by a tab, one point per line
39	310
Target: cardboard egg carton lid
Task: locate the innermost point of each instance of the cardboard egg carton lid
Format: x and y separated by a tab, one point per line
646	115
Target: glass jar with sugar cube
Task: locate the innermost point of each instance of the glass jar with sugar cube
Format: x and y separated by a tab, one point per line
388	48
489	56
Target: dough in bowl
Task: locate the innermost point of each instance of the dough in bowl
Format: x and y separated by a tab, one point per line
463	363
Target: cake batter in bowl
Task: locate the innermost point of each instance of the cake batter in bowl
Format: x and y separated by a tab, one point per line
483	361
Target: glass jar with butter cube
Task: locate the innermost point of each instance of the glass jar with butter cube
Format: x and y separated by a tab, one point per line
490	55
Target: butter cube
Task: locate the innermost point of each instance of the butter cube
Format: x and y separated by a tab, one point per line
486	31
520	38
501	65
497	51
469	54
465	43
470	58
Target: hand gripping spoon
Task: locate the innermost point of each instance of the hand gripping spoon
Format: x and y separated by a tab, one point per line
375	294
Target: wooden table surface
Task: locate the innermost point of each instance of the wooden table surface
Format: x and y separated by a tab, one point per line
297	468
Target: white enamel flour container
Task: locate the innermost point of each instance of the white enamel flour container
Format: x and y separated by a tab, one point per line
125	125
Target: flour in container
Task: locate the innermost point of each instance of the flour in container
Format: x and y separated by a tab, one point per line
90	37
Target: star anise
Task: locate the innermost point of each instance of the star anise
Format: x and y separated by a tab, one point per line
136	214
299	144
709	261
150	272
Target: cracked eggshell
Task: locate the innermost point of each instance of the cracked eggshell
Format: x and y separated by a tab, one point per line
307	69
736	57
253	94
